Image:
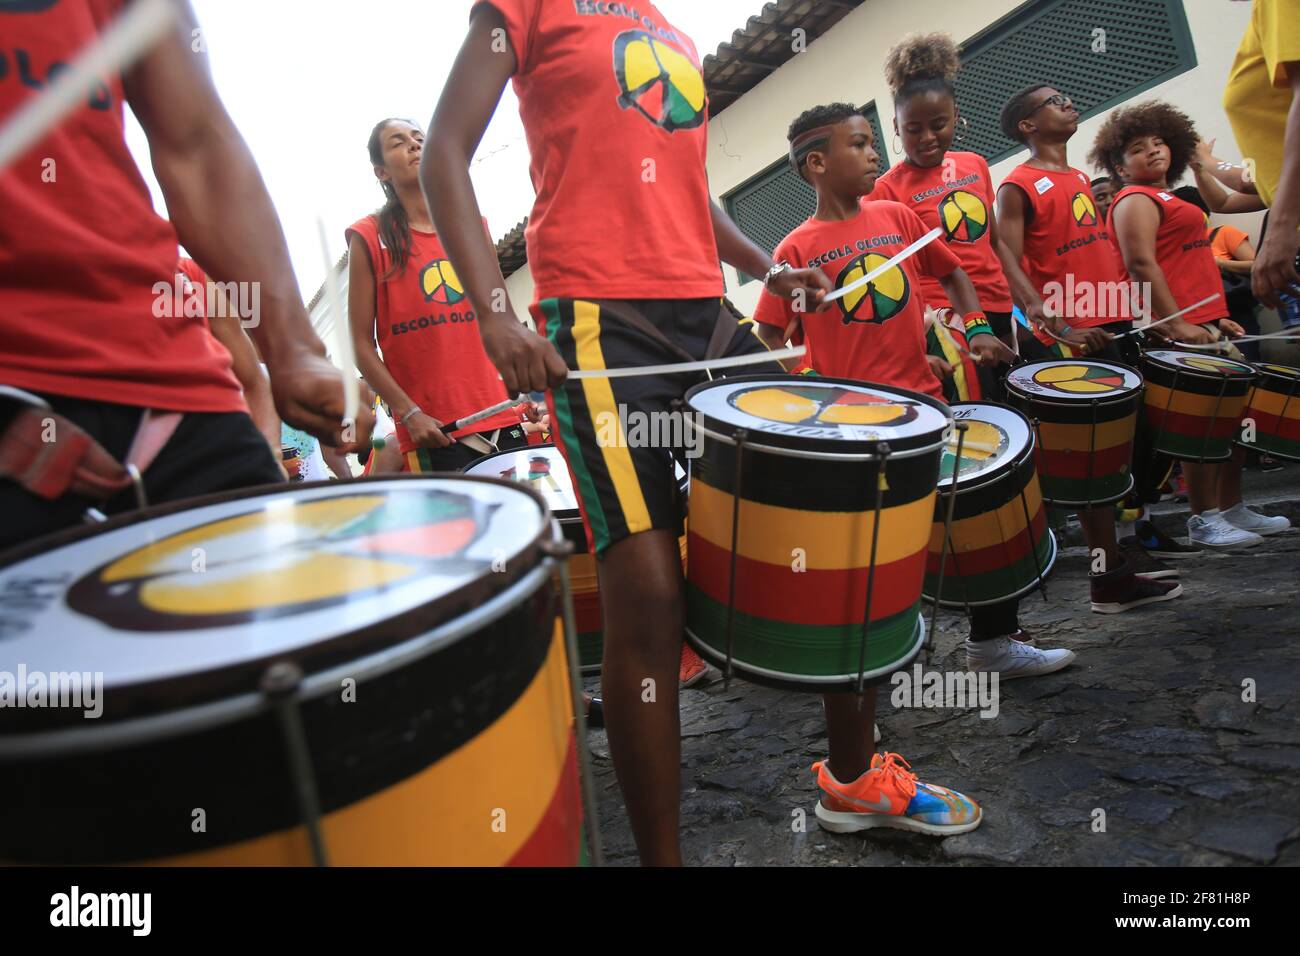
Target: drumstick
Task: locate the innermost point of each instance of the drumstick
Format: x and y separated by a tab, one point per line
128	38
884	267
780	355
343	334
1169	318
490	411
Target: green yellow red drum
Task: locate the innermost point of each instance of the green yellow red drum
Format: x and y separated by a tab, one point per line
1194	403
435	700
1271	422
999	544
1084	415
807	523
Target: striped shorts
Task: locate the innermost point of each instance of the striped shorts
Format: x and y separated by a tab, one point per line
620	435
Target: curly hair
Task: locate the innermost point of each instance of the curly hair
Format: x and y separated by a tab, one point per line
1015	111
921	62
1152	118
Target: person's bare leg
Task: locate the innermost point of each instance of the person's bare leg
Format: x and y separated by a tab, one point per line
1098	525
850	732
641	594
1229	490
1202	486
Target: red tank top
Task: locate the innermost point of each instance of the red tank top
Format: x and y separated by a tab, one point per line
428	334
87	268
957	196
1182	251
1068	255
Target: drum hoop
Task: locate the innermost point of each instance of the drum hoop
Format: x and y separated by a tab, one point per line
1201	373
153	728
1124	396
825	455
936	404
1031	586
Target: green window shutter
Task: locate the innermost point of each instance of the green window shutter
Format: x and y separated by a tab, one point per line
769	206
1051	42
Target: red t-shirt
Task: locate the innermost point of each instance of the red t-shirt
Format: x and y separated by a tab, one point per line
428	334
876	333
87	268
613	104
956	196
1068	256
1182	251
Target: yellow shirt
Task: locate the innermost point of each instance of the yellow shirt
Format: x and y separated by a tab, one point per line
1258	96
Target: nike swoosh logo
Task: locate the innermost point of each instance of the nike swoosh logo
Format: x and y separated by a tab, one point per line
877	806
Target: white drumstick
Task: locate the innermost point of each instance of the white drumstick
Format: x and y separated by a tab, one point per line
342	332
780	355
125	41
884	267
491	410
1169	318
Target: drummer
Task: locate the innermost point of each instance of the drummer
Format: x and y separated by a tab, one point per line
953	190
1163	242
1048	218
80	274
404	294
626	272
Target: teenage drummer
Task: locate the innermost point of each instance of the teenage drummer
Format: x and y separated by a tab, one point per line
87	265
624	243
405	299
1049	219
1163	243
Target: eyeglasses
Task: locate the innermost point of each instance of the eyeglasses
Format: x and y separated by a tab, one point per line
1056	99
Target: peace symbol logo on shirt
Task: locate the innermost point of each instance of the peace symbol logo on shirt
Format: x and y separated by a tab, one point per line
439	283
1083	209
880	299
963	217
659	82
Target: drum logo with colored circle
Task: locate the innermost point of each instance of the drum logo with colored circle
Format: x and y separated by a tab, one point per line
828	411
880	299
439	283
1084	379
983	446
267	564
963	216
658	81
1083	209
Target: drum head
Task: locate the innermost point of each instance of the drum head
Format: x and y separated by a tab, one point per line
819	410
200	595
1281	371
996	437
1197	363
540	467
1067	380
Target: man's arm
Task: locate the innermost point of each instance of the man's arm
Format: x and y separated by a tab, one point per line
244	363
1275	269
223	215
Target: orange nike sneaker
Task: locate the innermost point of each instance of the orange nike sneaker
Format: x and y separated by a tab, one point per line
889	795
694	669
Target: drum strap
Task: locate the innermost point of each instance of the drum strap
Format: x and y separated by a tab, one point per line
724	330
51	456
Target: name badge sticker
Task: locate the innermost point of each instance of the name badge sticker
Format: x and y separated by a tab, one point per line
1043	185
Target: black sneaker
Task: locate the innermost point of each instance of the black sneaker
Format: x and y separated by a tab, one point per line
1158	544
1141	561
1260	461
595	713
1121	590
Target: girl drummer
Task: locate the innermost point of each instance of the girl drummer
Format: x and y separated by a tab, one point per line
952	190
404	293
1162	241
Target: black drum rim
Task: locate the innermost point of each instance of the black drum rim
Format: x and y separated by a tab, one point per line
1127	395
1181	370
1096	503
800	447
1000	472
1031	586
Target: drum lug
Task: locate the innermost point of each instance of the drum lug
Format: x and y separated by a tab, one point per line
280	683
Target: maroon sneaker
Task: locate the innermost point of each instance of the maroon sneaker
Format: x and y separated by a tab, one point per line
1121	590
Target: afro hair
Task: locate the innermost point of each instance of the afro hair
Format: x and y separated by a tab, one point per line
921	62
1151	118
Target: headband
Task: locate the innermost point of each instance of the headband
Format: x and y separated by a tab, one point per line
805	143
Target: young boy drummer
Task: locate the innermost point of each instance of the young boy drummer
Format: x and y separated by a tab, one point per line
624	243
1048	218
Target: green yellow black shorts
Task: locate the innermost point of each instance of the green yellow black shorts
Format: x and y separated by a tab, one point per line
627	487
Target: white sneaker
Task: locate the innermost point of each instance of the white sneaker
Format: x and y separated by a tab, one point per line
876	729
1211	530
1242	518
1012	659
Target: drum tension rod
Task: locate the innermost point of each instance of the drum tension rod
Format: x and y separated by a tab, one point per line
962	428
280	685
740	437
884	452
561	549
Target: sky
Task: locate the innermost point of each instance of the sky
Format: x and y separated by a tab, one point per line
305	81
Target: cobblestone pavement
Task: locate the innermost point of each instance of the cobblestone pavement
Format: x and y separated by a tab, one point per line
1148	725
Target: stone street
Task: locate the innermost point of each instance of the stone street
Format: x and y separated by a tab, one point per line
1148	725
